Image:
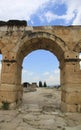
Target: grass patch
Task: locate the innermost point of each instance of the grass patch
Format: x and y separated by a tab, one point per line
5	105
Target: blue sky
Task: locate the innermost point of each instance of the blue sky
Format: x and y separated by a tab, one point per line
41	64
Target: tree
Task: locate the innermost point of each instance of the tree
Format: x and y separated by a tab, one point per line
40	84
45	85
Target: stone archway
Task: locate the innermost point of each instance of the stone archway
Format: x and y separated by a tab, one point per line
18	42
46	41
42	40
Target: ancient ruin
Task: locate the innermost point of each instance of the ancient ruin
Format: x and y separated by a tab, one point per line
16	42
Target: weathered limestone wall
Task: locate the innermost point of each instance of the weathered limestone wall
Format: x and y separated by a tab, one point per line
10	89
64	42
71	88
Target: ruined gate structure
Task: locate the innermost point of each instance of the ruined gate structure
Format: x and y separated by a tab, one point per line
63	42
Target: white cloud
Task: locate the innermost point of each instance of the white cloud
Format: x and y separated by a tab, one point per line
73	11
80	56
77	20
72	14
28	76
46	73
27	72
23	9
50	16
51	78
57	71
19	9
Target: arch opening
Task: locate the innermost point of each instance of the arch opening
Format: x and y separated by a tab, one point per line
45	42
41	65
41	40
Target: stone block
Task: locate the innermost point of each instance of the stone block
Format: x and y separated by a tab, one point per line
11	87
63	95
68	108
9	78
8	96
73	98
71	87
10	93
9	67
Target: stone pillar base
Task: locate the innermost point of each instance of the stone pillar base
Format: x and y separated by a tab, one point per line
10	96
70	108
71	98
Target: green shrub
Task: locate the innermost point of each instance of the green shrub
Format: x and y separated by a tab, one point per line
5	105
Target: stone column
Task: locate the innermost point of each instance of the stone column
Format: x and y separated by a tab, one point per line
10	89
71	85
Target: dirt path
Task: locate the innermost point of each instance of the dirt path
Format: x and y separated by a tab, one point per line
40	110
